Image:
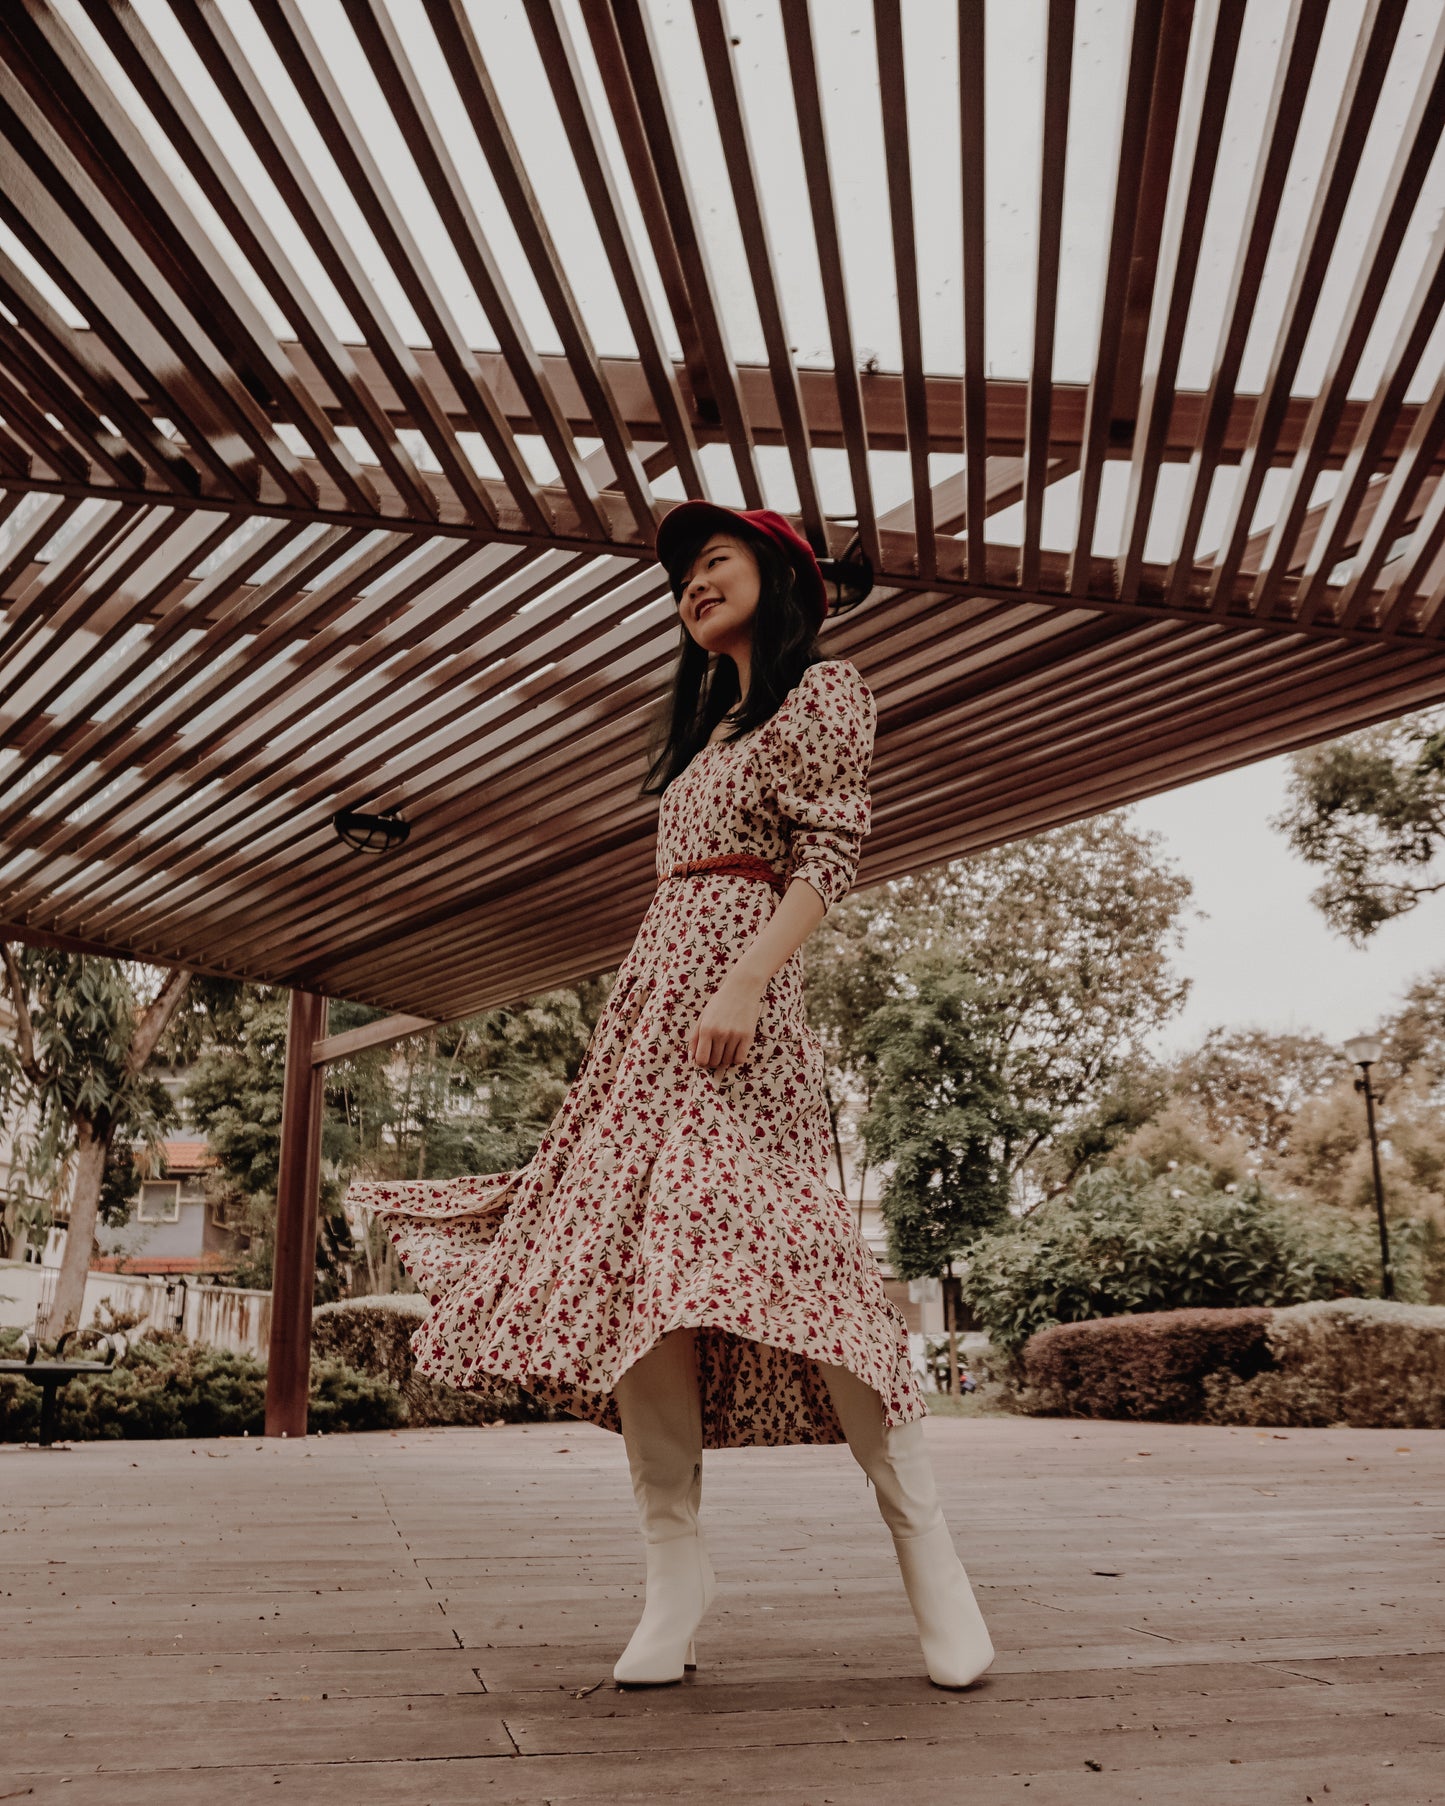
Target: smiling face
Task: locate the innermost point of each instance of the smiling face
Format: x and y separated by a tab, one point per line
720	595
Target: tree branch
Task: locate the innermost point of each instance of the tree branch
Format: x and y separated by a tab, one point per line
24	1028
154	1022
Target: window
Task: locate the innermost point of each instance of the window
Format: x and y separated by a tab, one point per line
160	1201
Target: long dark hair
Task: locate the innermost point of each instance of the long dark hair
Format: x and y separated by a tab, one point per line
705	689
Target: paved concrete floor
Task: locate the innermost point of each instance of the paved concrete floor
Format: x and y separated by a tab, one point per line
1183	1615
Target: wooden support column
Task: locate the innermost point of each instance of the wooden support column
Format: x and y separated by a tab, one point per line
293	1280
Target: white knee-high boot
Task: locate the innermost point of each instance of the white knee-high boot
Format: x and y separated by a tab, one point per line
956	1644
661	1411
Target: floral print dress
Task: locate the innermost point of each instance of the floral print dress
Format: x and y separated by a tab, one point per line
665	1194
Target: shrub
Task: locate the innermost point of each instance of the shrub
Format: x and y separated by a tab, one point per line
374	1335
344	1398
1359	1361
1126	1242
1154	1366
167	1386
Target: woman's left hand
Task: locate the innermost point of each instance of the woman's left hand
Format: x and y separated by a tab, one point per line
724	1031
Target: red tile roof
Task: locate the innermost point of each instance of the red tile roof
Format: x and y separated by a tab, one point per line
187	1156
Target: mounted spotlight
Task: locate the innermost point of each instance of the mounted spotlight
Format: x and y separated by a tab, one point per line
365	833
850	578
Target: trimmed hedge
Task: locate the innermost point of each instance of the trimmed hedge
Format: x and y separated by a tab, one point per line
166	1386
1356	1361
374	1335
1152	1366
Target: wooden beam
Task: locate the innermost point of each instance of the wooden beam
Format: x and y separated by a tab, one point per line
882	393
369	1035
293	1276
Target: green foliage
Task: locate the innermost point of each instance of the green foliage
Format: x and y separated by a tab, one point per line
234	1094
1176	1138
942	1115
1070	937
1133	1098
342	1398
1128	1241
1370	811
235	1087
374	1335
473	1096
167	1386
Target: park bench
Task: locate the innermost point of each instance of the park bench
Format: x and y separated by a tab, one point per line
53	1372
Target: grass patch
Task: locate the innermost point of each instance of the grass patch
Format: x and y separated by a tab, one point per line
986	1402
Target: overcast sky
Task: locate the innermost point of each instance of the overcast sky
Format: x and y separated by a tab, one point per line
1260	952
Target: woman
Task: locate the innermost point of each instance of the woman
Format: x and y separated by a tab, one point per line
672	1261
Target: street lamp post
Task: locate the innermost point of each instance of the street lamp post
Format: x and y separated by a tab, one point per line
1365	1051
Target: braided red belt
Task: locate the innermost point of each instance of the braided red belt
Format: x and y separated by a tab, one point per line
738	865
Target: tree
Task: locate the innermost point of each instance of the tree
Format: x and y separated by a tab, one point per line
1370	810
942	1115
1113	1120
83	1039
1068	937
1250	1084
234	1094
850	977
1178	1138
1415	1035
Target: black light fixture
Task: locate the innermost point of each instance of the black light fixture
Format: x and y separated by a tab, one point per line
850	577
365	833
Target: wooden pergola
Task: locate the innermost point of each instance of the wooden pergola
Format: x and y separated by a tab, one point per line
282	531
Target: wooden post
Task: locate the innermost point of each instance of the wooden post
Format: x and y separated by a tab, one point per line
293	1279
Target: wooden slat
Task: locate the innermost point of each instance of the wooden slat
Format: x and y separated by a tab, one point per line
376	28
1358	477
1299	48
1157	53
1363	83
1419	143
817	170
621	38
972	113
1201	131
893	97
717	51
1007	407
658	379
385	1033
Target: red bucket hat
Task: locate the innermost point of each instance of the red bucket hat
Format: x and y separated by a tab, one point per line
686	527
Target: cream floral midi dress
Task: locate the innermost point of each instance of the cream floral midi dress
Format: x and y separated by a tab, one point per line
665	1194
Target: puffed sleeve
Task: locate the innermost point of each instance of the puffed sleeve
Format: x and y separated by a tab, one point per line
821	752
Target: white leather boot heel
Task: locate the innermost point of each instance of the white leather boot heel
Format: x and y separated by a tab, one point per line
956	1645
657	1400
680	1587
